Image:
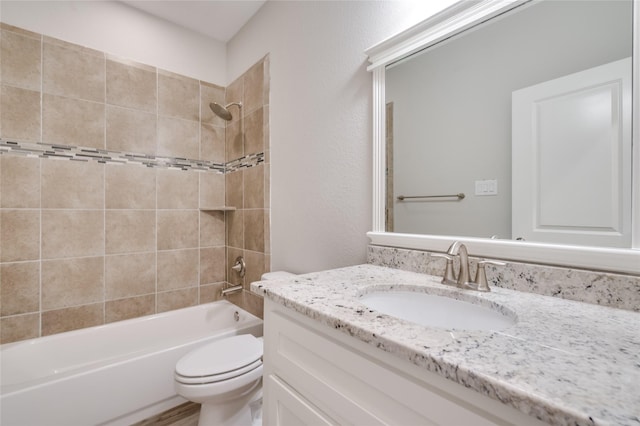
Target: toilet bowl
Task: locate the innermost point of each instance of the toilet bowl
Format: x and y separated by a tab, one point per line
225	377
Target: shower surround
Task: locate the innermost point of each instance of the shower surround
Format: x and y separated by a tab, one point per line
110	172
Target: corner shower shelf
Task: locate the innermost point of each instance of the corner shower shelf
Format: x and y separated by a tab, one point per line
218	209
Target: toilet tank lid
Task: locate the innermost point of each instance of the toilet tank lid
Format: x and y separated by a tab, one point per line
275	275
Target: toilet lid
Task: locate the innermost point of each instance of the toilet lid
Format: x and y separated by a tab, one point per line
219	357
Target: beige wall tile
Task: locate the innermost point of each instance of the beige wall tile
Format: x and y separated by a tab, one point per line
131	85
254	132
211	292
73	122
267	80
254	230
19	327
266	137
234	189
211	93
73	72
21	60
130	231
254	87
254	304
19	182
267	186
177	269
212	187
177	229
254	187
75	194
18	30
19	235
72	233
212	265
19	288
177	299
72	282
130	130
178	138
20	119
234	142
130	275
212	143
130	186
212	228
177	189
133	307
235	93
178	96
72	184
72	318
267	234
235	228
255	267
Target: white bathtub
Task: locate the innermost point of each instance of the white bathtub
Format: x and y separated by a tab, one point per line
113	374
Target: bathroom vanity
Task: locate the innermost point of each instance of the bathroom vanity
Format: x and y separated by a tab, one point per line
330	359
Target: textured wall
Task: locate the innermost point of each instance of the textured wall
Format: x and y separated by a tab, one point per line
320	120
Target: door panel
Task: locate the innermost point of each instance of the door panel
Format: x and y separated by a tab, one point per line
572	158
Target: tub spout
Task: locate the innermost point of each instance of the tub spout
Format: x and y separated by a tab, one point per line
233	289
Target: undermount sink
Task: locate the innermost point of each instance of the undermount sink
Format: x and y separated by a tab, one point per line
436	311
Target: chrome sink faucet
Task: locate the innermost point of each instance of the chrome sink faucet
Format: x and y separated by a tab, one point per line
460	250
463	280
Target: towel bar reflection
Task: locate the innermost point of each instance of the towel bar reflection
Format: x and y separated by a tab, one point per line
459	196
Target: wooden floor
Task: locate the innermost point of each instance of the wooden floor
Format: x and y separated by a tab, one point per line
183	415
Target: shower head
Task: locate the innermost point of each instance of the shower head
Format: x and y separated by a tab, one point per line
222	111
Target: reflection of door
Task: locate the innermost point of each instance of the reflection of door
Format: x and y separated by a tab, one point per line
389	167
572	158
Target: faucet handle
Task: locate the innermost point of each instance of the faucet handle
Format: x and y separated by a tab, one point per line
449	276
481	275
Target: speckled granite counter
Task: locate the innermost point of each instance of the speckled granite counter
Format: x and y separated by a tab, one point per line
563	362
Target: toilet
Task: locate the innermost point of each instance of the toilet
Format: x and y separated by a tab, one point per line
225	377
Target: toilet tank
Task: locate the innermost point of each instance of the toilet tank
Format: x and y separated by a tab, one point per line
276	275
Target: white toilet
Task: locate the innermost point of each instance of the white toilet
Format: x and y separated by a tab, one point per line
225	377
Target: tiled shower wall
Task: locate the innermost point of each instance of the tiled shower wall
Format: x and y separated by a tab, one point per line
114	228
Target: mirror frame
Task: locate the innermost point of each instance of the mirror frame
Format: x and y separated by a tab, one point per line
460	16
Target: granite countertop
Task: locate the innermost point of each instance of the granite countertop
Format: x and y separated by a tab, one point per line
564	362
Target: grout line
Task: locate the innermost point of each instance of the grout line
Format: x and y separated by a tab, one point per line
40	183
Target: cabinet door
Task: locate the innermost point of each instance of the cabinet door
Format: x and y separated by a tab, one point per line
287	408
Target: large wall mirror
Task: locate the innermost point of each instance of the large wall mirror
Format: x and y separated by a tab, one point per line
511	125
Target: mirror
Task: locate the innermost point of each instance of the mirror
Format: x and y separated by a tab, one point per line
453	96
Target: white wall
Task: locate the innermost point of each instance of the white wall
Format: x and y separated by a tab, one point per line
321	126
123	31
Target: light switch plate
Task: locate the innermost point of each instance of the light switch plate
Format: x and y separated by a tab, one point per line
487	187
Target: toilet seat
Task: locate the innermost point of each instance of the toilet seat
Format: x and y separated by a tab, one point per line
213	378
220	360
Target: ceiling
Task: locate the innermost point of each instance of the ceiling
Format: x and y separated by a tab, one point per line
218	19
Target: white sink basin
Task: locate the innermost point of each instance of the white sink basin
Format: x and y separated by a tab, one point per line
436	311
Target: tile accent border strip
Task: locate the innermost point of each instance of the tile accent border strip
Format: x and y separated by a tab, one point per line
74	153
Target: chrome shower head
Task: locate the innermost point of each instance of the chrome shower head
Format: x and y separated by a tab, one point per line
222	111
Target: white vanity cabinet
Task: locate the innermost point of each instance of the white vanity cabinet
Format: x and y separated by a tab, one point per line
317	375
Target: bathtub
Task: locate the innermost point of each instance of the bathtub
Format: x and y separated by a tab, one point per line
114	374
